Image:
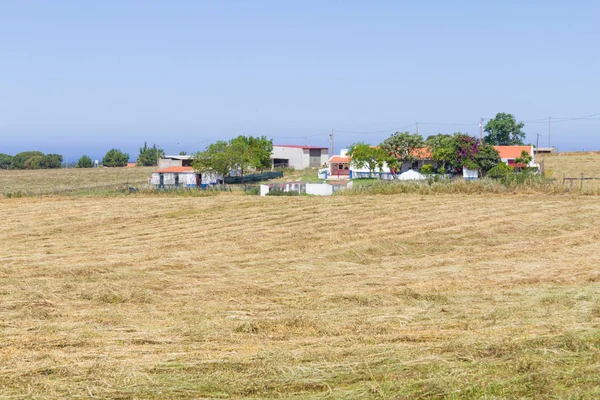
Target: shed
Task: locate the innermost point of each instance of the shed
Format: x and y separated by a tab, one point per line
183	177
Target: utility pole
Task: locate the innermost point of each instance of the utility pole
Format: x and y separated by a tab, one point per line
549	118
331	144
481	129
417	127
537	142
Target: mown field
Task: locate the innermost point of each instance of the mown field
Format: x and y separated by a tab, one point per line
572	165
225	295
232	296
73	180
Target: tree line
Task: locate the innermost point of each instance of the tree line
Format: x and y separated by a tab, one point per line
451	153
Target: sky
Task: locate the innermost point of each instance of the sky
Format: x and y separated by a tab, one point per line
82	77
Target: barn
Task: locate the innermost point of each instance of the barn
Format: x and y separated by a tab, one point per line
299	157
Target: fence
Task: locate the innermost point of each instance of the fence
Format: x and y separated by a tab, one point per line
254	177
580	179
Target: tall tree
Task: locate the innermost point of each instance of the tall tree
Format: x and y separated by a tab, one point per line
115	158
400	148
51	161
261	149
84	162
5	161
504	130
149	155
216	158
442	148
362	155
19	160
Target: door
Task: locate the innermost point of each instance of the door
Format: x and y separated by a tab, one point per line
315	158
161	183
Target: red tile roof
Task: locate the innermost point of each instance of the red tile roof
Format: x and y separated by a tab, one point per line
176	169
339	159
512	151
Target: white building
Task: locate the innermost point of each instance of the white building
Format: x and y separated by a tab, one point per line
299	157
183	177
175	161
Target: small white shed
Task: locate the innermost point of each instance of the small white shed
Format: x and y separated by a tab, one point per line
184	177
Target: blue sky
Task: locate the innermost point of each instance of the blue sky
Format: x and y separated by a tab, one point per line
82	77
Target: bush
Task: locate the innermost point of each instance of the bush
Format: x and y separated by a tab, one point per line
501	170
115	158
427	169
84	162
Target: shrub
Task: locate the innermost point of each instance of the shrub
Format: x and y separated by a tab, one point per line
501	170
427	169
84	162
115	158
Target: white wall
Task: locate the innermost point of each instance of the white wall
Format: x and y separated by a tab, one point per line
293	154
319	189
299	158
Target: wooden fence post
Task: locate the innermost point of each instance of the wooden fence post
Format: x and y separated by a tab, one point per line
564	177
581	182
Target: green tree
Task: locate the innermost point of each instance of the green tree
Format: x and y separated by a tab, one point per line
51	161
18	161
33	162
183	153
84	162
365	156
149	155
486	158
261	149
400	148
216	158
6	161
442	148
504	130
115	158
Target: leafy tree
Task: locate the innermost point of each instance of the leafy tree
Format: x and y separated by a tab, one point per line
18	161
486	158
261	149
33	162
400	148
149	155
115	158
5	161
216	158
524	159
183	153
442	148
465	149
84	162
51	161
365	156
242	153
504	130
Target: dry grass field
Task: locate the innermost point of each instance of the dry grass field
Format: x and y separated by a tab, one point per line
572	165
232	296
69	180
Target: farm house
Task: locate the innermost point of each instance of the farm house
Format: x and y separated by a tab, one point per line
183	177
